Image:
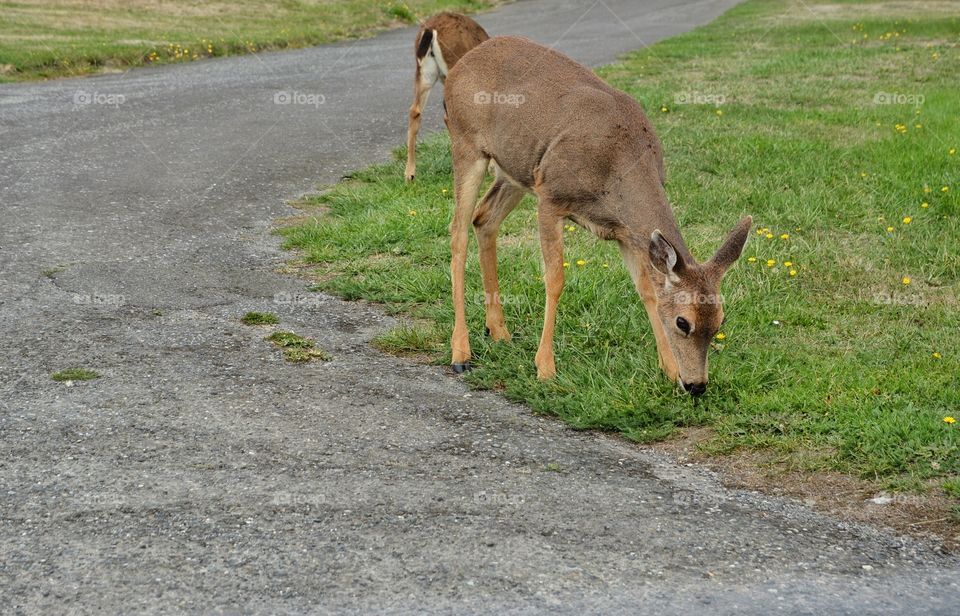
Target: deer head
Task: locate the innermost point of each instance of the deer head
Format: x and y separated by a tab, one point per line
689	304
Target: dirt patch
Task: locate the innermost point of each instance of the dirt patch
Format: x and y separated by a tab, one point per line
174	9
926	516
898	9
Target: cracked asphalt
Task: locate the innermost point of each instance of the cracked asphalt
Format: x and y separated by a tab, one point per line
202	474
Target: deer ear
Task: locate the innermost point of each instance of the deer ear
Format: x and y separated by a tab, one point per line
663	256
733	245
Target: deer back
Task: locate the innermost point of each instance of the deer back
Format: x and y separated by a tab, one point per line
556	128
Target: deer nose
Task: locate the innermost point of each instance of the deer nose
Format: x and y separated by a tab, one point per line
695	389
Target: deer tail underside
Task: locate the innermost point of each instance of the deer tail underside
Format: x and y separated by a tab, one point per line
424	44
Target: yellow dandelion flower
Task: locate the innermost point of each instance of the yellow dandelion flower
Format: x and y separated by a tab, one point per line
907	220
889	229
905	280
566	264
719	112
664	109
949	420
769	236
793	272
444	191
927	190
944	189
787	263
937	355
412	212
752	259
721	336
581	262
952	151
784	236
606	265
918	125
771	262
924	205
863	174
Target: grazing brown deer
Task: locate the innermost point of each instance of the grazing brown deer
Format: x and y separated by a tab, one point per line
441	42
589	154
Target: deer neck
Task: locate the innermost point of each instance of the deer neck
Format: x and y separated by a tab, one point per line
644	208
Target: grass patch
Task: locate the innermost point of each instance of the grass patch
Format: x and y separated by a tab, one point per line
837	130
259	318
412	339
290	340
55	38
74	374
296	348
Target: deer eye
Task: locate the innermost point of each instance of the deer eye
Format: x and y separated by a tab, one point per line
683	325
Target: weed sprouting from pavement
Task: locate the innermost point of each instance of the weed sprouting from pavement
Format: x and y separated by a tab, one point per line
296	348
259	318
74	374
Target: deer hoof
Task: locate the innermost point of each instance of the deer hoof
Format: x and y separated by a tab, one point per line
462	367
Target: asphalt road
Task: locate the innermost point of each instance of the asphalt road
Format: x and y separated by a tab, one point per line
203	474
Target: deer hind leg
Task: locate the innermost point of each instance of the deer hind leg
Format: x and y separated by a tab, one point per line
468	170
501	198
423	82
551	245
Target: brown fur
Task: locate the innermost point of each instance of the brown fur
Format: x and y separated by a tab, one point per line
456	34
590	155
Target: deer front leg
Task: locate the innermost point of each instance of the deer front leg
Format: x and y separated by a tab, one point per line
640	273
668	362
499	201
551	245
421	90
468	174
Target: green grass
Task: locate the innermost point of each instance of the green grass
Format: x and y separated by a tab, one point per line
55	38
290	340
51	272
74	374
833	367
259	318
296	348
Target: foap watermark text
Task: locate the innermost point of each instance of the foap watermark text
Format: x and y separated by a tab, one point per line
498	98
83	98
293	97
